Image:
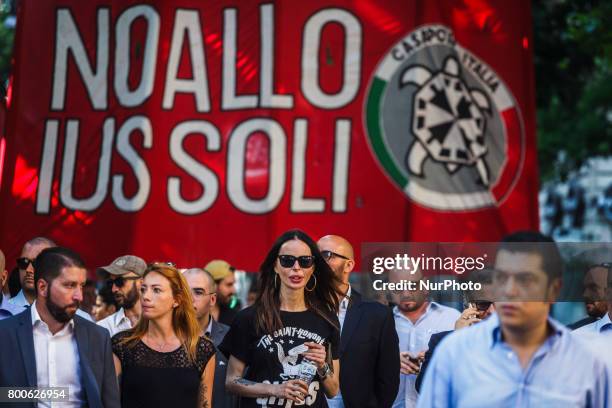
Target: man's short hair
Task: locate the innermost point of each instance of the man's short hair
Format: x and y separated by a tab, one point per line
41	241
50	262
534	242
211	281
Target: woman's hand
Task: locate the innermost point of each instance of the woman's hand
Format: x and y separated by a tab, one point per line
316	353
294	390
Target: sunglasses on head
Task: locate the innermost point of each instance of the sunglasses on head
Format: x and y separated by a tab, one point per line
287	261
24	262
119	282
327	255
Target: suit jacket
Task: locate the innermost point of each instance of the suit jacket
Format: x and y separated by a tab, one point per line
369	355
18	362
220	398
434	340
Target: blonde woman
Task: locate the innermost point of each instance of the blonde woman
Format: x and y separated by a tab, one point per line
163	361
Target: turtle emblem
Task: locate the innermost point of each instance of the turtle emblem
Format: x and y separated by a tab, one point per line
449	120
442	125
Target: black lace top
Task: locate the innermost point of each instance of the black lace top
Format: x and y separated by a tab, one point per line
157	379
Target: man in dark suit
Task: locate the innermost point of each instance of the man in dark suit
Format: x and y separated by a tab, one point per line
369	347
81	356
203	291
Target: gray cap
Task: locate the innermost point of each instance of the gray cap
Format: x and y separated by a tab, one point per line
126	264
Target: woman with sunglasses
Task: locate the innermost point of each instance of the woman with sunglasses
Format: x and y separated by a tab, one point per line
163	361
289	338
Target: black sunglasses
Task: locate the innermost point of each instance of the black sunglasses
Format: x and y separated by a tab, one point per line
482	305
119	282
287	261
327	255
24	262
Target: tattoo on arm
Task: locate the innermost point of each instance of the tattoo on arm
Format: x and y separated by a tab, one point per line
242	381
203	391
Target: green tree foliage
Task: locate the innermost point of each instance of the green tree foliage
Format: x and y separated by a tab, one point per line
573	65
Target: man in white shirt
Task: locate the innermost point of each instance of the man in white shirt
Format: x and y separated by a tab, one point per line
124	277
416	319
48	345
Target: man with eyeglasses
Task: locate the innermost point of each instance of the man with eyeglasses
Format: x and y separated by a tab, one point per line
6	309
124	277
203	291
369	353
25	263
520	356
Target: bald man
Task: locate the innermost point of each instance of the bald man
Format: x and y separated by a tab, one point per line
369	347
25	262
204	296
6	309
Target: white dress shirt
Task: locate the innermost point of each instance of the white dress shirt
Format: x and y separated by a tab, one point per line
57	360
337	401
117	322
414	338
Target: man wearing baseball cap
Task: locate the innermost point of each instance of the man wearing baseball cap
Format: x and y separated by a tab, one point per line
227	305
124	277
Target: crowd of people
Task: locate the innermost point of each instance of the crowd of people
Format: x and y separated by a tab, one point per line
153	335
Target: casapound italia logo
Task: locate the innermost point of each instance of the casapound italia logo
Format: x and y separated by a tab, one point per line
443	125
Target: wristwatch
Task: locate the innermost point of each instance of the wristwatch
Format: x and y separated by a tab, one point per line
324	372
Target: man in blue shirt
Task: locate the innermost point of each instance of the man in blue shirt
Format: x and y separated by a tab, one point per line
605	323
519	357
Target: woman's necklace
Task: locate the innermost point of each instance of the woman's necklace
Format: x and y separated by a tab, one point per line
159	346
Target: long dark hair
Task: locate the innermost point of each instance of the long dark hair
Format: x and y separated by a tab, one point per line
323	300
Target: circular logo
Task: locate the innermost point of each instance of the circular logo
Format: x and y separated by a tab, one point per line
443	125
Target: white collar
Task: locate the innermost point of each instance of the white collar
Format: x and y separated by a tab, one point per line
119	316
209	328
344	302
36	318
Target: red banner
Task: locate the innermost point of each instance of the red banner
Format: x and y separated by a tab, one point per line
188	130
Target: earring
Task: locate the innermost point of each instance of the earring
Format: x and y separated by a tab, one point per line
275	276
315	285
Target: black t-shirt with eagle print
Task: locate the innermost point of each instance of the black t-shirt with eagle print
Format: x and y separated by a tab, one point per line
275	358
